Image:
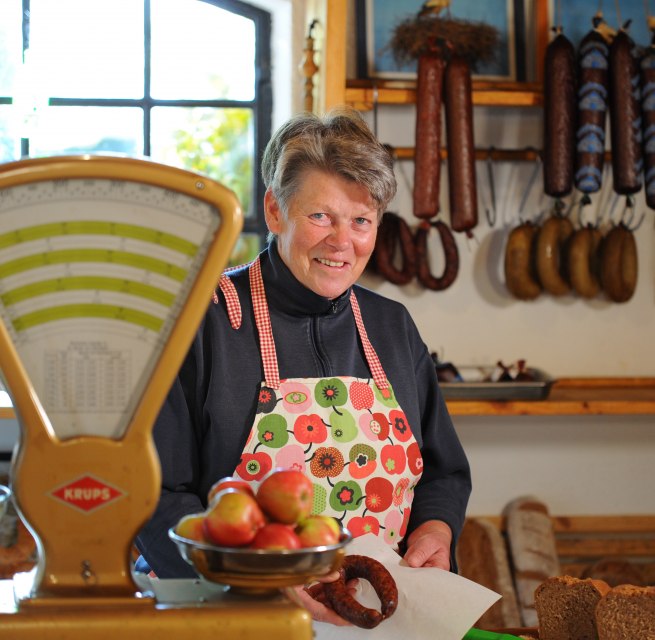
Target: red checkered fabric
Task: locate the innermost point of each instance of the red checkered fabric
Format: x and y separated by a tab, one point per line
371	356
263	320
231	300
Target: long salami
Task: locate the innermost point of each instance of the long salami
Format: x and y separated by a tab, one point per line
462	187
427	148
593	63
625	115
559	116
648	114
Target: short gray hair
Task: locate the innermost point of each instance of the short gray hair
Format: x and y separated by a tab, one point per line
340	143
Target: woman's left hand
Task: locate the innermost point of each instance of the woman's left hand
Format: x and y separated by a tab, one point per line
429	545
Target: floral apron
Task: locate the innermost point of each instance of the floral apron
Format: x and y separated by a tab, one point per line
348	435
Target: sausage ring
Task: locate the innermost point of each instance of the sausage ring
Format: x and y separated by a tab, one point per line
618	264
394	233
520	275
583	258
356	566
551	244
451	256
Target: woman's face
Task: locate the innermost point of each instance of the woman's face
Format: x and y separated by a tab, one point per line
327	236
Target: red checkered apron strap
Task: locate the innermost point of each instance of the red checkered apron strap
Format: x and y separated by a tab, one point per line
228	289
371	356
263	321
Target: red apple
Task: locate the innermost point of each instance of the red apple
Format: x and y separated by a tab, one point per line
286	495
233	519
276	535
191	527
229	482
316	531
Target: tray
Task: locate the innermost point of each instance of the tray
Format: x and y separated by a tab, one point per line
476	385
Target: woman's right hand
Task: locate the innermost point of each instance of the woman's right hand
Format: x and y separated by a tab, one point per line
313	599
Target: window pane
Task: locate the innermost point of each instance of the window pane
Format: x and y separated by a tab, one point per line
11	44
216	142
9	140
71	130
201	52
85	49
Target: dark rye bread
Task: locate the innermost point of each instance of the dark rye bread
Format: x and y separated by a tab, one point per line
627	612
565	607
615	571
482	558
533	553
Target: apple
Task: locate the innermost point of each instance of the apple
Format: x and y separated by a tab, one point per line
318	530
286	495
229	482
191	527
233	519
276	535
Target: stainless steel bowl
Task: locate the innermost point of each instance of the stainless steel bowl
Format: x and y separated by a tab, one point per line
261	570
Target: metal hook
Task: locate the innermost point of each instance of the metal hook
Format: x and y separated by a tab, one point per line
582	203
528	189
491	213
631	206
610	214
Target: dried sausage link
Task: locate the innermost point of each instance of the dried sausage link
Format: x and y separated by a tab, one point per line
451	256
394	234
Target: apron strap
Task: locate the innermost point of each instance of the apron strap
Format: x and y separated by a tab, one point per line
228	289
374	363
263	321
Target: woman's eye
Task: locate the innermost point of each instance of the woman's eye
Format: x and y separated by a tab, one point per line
318	216
362	221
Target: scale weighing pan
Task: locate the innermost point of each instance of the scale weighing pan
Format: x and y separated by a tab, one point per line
107	265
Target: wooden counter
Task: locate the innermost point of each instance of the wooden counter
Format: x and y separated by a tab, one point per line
572	396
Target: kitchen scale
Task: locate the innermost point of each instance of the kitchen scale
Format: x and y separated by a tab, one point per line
107	266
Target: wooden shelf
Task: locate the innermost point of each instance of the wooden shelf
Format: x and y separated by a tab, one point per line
572	396
567	397
365	94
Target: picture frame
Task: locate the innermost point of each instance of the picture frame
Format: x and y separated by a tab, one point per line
376	20
576	18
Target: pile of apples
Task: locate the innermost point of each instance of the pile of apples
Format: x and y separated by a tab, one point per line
275	515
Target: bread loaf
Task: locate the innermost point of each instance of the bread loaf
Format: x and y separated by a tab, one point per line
627	612
482	558
565	607
615	571
532	549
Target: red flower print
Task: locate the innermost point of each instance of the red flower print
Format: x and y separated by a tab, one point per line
326	461
403	526
254	466
381	428
361	525
393	458
267	400
379	494
309	429
414	459
362	461
399	424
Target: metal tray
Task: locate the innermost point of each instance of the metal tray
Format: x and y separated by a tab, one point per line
474	386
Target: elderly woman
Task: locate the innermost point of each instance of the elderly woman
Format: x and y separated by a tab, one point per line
297	366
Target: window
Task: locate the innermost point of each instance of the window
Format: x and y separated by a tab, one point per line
186	82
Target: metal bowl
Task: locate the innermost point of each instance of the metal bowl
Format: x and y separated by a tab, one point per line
5	494
261	570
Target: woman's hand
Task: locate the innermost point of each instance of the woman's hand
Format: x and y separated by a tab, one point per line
313	599
429	545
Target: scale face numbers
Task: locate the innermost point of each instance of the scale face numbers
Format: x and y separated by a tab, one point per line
93	275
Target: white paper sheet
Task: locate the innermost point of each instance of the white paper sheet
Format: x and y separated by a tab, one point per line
432	603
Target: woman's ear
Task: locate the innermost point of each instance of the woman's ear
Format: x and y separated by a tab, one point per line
272	212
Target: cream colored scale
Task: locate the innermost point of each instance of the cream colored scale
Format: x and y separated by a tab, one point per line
107	265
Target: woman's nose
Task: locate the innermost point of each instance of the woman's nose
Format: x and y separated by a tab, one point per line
339	236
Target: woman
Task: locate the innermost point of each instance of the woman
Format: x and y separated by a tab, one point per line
297	366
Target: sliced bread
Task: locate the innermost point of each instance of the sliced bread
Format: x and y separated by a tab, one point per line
565	607
627	612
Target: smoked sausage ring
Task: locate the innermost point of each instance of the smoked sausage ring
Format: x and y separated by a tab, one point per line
520	273
394	234
583	259
551	245
357	566
451	256
618	264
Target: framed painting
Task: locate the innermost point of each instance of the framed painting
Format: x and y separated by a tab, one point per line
377	19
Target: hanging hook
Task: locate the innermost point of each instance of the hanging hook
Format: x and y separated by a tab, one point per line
628	214
528	189
582	203
491	213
